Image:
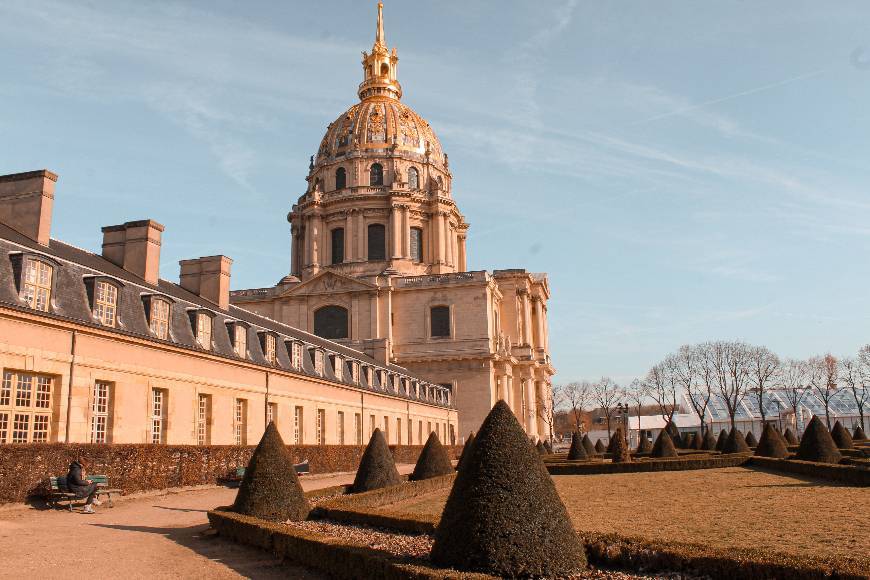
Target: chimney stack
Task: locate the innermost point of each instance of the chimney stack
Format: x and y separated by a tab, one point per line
208	277
26	200
135	246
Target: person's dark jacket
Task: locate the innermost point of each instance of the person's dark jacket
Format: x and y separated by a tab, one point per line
74	481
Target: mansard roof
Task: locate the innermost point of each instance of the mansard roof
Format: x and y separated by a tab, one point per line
70	303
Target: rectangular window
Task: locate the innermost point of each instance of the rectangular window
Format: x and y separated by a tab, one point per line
340	425
438	431
240	422
338	365
160	318
410	432
420	433
428	429
297	426
321	427
440	321
357	428
203	420
377	242
100	412
354	371
105	302
158	416
25	407
371	424
338	245
36	287
297	355
240	340
417	244
272	413
398	431
203	330
269	347
387	428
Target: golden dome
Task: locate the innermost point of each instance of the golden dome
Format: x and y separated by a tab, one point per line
380	125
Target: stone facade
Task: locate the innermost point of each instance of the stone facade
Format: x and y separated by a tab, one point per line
379	262
98	348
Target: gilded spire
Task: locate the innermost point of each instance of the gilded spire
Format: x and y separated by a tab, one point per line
379	67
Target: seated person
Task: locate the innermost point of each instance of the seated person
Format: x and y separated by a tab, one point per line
83	488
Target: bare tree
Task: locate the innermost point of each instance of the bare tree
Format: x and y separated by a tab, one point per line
854	372
764	366
823	375
793	380
730	365
547	409
607	394
699	382
662	386
578	396
636	393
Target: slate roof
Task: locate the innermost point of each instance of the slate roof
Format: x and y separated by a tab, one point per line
70	302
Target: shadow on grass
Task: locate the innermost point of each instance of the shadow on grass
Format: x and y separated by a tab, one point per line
247	561
808	480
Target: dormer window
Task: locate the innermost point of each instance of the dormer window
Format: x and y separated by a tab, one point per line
337	364
158	318
203	330
354	371
105	302
269	349
296	355
369	376
240	340
318	362
36	286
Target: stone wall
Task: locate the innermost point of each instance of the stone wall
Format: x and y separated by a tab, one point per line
24	469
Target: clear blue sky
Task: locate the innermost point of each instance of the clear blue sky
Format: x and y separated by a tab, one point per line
682	170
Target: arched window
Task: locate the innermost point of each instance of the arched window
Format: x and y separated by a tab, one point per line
417	244
385	70
330	322
439	319
413	178
440	182
377	242
376	174
340	178
337	245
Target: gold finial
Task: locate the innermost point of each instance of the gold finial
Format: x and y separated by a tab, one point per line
379	37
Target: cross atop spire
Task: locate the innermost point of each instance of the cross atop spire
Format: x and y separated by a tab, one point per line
380	41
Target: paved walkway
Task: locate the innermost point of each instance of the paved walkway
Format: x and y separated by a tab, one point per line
147	537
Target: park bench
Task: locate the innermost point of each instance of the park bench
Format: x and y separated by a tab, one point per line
234	479
58	491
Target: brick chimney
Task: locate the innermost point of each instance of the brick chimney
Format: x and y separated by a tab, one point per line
135	246
209	277
26	200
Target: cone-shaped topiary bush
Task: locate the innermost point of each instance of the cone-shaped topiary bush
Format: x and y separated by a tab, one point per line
577	452
688	440
771	444
644	445
664	446
858	434
540	448
377	468
587	444
697	441
620	448
600	447
465	450
751	440
723	438
790	437
817	444
674	434
709	442
736	443
504	516
841	437
270	489
548	448
433	460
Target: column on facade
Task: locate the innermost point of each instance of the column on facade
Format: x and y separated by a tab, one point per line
306	245
348	236
406	232
531	407
527	319
439	247
462	266
448	249
361	248
294	249
315	226
539	322
395	233
542	390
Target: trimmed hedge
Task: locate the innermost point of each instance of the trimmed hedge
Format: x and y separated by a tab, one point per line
846	474
671	464
24	468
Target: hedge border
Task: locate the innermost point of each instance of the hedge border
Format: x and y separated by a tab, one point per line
670	464
846	474
326	553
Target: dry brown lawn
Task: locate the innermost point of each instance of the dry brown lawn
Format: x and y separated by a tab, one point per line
729	507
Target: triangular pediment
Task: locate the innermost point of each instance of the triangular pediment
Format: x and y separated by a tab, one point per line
329	282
